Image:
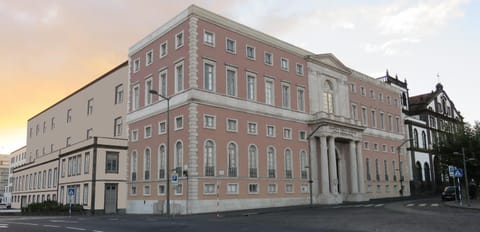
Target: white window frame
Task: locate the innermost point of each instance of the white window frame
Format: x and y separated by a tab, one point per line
228	68
301	99
234	51
287	104
136	96
285	129
214	74
271	100
179	186
134	135
366	145
285	61
265	55
149	190
300	132
275	188
132	193
179	43
299	69
149	62
354	110
148	95
136	65
236	188
178	88
292	186
227	124
248	76
163	52
364	112
176	125
205	192
254	52
145	136
267	133
160	86
248	128
158	190
214	121
257	188
206	35
160	132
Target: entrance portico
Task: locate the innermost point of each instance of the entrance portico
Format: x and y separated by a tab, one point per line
336	161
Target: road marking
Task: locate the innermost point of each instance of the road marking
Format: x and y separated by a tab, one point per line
435	205
75	228
54	226
422	205
369	205
379	205
26	223
4	226
114	219
410	205
97	231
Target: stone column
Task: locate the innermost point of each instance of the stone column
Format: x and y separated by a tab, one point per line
313	166
353	168
324	164
332	161
361	173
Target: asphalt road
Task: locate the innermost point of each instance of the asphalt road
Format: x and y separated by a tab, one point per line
417	215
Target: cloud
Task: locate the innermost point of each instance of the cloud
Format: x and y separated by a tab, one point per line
392	47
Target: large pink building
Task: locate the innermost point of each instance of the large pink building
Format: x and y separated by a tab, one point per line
253	121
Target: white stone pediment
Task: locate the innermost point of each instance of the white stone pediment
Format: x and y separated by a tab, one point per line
329	60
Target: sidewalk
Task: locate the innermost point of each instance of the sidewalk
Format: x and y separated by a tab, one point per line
474	204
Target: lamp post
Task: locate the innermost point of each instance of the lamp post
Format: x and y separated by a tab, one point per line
466	175
310	180
399	166
168	147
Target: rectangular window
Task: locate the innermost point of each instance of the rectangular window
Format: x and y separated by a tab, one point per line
231	46
252	128
111	163
252	188
390	123
119	94
63	167
209	121
162	127
353	88
362	91
146	190
133	191
382	120
285	96
161	190
232	188
147	132
284	64
178	122
397	121
299	69
55	177
89	133
69	115
136	97
49	184
148	87
134	135
289	188
209	38
179	40
164	49
389	100
304	188
118	127
232	125
270	131
374	121
384	148
179	77
85	194
209	188
67	143
149	58
179	189
136	65
162	82
231	82
302	135
251	87
250	52
366	146
86	168
269	92
372	94
268	58
375	147
287	133
301	99
380	97
209	76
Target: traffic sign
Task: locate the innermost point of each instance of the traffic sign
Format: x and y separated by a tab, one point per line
451	170
458	172
71	191
175	179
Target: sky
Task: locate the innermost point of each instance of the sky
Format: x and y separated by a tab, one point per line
49	49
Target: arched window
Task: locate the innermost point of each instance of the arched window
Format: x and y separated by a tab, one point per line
303	165
252	162
232	160
134	166
328	97
415	138
161	162
427	172
288	164
178	162
209	158
147	163
271	162
418	171
424	139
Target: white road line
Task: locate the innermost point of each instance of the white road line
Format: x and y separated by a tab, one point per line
435	205
4	226
410	205
54	226
422	205
97	231
26	223
75	228
379	205
369	205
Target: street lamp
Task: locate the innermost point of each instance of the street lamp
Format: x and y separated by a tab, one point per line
168	147
399	166
466	175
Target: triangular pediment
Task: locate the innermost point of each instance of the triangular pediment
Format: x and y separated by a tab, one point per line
330	61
